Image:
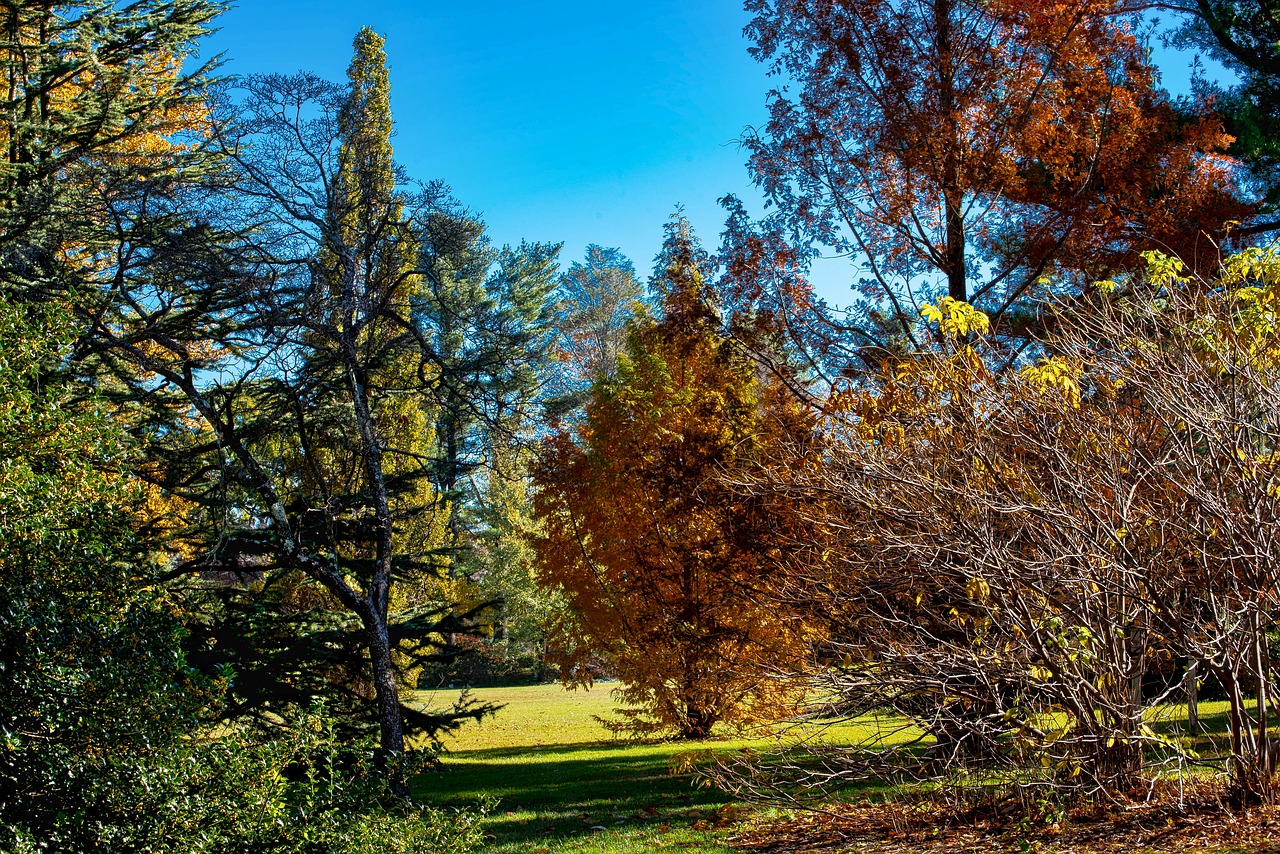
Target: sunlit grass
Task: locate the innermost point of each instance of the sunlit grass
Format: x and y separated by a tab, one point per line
566	783
532	716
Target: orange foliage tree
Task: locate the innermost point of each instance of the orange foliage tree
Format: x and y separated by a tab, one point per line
659	556
978	150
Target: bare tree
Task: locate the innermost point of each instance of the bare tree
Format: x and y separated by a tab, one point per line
1014	562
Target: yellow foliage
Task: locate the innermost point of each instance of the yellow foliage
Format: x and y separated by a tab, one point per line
1248	330
1164	270
1057	374
956	319
978	590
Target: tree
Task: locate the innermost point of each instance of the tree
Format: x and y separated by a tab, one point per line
501	560
486	314
89	89
656	553
966	575
973	149
598	296
1200	359
1242	35
262	328
93	672
1003	550
94	682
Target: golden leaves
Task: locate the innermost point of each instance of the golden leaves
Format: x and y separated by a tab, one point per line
1059	375
956	319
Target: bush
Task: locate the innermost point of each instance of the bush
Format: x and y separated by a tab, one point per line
302	792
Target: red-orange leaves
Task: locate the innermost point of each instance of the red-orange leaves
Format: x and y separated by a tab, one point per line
977	146
660	553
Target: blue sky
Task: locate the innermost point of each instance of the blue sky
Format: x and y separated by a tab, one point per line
581	122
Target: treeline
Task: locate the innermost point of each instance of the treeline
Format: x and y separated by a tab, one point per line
285	434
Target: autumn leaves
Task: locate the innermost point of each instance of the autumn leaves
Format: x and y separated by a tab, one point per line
1017	493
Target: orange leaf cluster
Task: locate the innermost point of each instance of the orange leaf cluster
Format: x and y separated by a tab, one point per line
662	557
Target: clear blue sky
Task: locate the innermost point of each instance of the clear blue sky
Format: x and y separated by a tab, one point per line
573	121
581	122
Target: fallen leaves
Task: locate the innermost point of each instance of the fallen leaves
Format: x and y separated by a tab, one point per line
1162	827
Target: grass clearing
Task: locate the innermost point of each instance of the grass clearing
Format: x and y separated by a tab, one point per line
532	716
566	783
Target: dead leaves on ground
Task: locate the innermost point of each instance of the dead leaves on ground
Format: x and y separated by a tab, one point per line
1161	827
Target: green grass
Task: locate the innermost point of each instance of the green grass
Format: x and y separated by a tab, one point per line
1171	720
533	716
565	784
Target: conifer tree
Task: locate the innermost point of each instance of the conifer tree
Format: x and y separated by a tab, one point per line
660	558
486	316
979	150
287	396
96	100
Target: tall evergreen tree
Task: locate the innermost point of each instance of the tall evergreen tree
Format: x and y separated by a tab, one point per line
288	398
487	317
598	296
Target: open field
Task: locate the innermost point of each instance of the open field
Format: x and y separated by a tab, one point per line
565	784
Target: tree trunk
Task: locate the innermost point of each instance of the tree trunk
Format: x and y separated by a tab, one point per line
1190	684
390	723
387	692
698	724
952	194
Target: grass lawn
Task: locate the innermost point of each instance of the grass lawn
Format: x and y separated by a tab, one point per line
566	784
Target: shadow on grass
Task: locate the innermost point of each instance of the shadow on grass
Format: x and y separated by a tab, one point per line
570	789
1211	739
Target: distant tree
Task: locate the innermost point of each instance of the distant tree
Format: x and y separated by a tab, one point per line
976	149
598	297
486	314
657	554
1242	35
501	561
